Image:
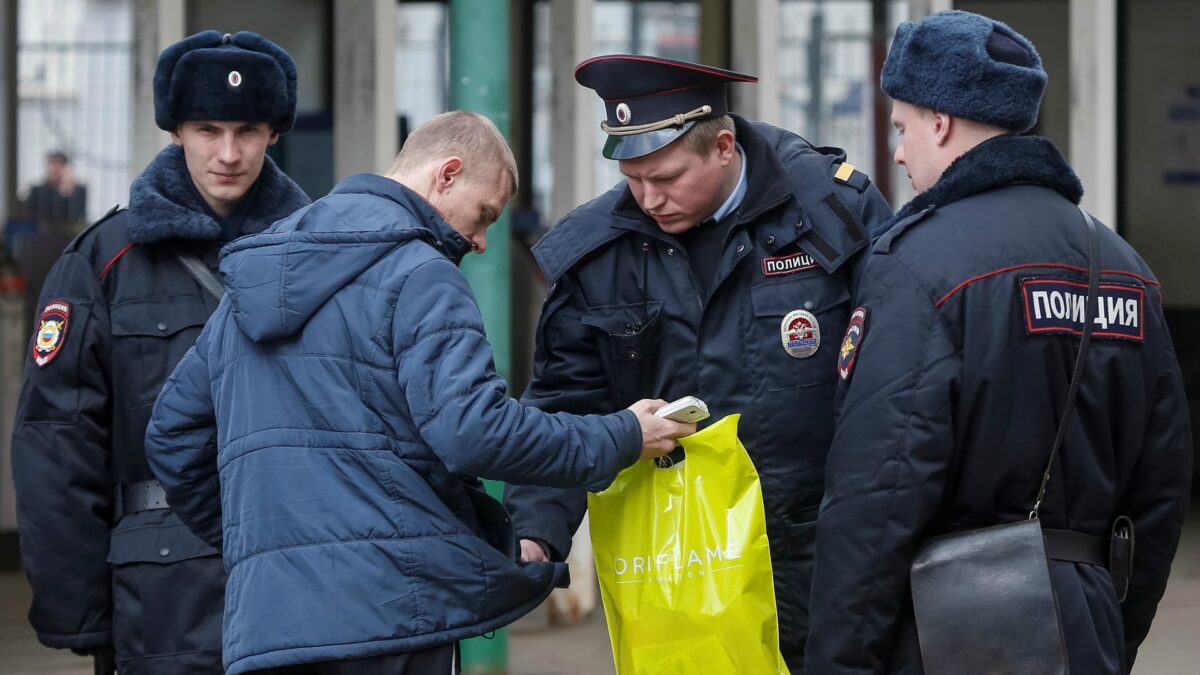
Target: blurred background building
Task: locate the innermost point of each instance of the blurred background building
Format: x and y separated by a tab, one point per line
1123	103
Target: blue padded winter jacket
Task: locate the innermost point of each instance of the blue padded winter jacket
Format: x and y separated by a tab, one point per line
327	430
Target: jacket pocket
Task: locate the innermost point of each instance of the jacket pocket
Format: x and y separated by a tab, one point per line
823	299
149	339
168	589
628	338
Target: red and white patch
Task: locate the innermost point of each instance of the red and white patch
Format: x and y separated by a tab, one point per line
51	332
787	264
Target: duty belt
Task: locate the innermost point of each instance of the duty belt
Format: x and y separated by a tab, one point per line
146	495
1072	546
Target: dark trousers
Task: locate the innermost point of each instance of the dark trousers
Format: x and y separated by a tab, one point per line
441	660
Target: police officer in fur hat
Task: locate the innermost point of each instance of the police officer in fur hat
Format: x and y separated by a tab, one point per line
719	268
955	370
113	569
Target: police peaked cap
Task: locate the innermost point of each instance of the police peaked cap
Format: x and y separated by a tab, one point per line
242	77
649	102
966	65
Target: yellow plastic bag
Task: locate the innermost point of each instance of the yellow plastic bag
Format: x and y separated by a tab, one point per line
684	566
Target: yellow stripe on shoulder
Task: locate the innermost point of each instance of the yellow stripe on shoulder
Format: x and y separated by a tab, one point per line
844	172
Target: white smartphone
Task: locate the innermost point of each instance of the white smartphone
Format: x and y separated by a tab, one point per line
688	410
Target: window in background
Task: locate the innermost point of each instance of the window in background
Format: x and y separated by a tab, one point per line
422	62
826	80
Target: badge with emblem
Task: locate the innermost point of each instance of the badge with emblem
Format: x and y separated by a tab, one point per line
235	78
624	114
801	334
855	332
51	332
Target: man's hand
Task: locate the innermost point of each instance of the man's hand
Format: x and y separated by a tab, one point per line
531	551
658	433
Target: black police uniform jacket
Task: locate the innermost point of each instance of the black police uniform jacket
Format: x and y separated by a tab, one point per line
142	583
973	307
625	320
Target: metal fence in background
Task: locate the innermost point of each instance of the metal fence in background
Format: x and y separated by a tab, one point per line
74	84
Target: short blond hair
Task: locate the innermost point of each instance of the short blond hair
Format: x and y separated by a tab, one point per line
458	133
702	137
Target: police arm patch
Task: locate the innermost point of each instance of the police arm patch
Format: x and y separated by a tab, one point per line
856	332
1056	307
51	332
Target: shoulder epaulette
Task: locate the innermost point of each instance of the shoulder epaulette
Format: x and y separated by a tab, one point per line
107	214
848	174
884	243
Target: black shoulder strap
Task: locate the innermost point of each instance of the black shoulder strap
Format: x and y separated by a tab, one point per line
1081	358
200	272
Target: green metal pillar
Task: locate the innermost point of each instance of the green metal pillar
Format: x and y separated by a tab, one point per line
479	75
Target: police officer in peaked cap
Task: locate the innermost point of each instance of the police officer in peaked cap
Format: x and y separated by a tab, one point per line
721	267
113	569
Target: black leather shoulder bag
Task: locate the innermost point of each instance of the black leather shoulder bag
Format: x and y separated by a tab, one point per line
982	599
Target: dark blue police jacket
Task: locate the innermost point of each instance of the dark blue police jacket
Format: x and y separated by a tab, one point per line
625	319
333	416
972	306
145	584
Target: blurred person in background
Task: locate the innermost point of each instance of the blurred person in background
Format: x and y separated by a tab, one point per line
60	202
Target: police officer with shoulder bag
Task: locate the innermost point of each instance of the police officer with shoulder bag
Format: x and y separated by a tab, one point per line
113	570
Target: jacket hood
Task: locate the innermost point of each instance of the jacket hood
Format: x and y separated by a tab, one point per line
162	205
278	279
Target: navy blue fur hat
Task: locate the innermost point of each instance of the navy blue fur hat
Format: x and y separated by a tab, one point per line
242	77
968	66
651	101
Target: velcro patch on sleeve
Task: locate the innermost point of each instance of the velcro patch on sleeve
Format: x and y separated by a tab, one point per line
1056	307
787	264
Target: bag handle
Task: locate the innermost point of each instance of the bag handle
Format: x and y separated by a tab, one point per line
200	273
1080	359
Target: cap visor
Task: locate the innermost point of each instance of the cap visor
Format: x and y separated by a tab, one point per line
640	145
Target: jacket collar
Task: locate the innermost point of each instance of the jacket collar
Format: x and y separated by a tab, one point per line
997	162
439	232
164	205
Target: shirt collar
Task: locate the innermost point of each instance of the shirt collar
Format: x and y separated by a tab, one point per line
735	197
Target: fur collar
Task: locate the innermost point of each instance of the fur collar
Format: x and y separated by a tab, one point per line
996	162
163	206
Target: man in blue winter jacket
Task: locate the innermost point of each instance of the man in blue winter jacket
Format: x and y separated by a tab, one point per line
956	365
327	429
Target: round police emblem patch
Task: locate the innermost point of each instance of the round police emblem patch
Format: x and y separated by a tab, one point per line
624	114
51	332
852	343
235	78
801	334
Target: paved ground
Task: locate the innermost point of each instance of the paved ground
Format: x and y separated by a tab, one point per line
1173	647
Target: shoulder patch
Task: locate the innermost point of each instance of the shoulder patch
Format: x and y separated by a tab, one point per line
856	332
1055	306
51	332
